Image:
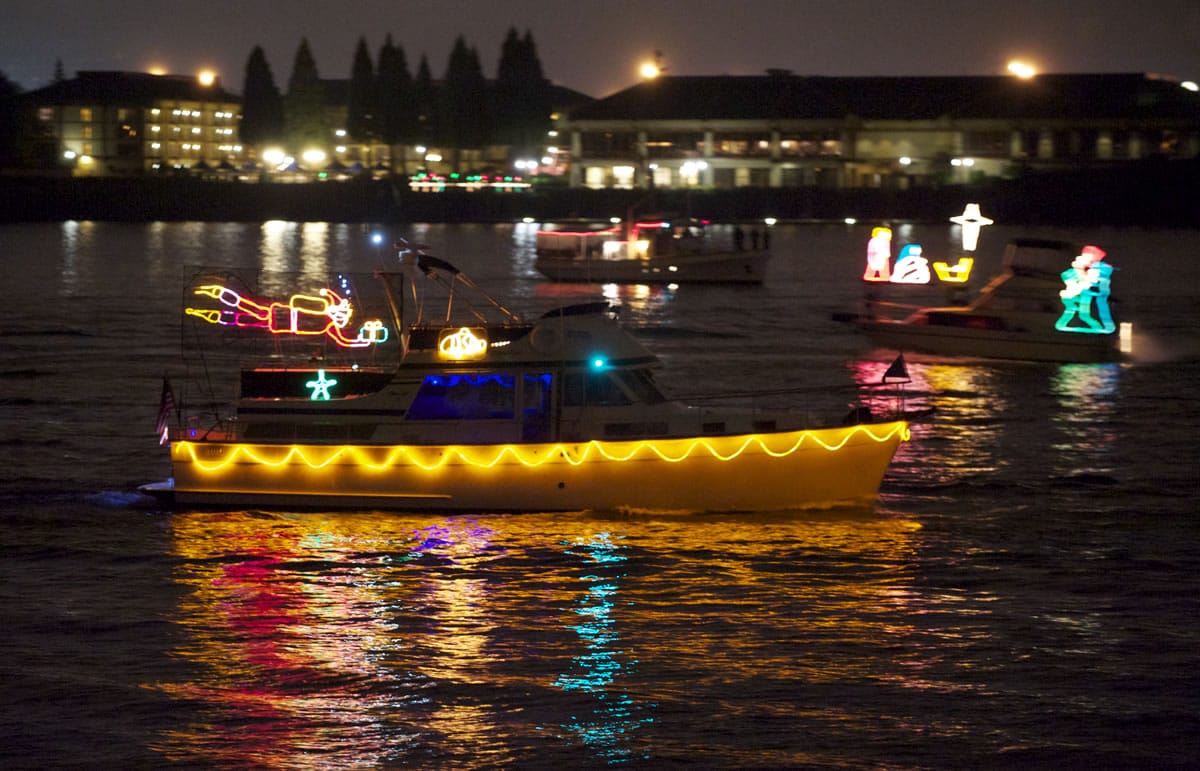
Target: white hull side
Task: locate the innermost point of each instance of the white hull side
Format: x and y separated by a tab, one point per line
960	341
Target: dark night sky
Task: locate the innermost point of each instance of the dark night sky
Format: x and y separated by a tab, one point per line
594	46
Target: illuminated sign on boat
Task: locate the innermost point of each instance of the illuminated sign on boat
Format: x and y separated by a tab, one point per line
320	387
326	314
879	255
911	267
462	343
954	274
971	221
1086	287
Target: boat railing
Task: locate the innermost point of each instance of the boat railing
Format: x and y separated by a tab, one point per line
863	402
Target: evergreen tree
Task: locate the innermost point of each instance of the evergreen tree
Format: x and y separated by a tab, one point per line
522	96
428	125
59	77
10	121
361	101
537	95
464	101
262	106
507	89
304	105
394	89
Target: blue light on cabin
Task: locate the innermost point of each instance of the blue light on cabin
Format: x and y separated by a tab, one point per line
376	239
599	362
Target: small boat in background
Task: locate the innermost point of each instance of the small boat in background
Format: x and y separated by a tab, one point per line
653	251
350	392
1050	303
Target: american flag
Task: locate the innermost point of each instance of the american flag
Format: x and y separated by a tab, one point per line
166	409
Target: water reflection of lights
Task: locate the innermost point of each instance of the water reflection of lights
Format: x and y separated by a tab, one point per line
964	400
615	715
296	624
525	249
637	301
1086	394
364	639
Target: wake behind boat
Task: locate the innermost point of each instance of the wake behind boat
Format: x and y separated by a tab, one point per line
352	393
652	251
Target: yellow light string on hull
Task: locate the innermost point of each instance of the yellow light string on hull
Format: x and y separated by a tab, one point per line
592	451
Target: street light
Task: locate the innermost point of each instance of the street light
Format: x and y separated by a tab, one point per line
1022	70
652	69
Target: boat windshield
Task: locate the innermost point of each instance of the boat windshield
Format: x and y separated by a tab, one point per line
592	388
641	383
610	388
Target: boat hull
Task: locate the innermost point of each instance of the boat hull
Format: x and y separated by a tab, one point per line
990	344
752	472
747	267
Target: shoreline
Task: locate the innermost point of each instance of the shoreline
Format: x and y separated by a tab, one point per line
1151	194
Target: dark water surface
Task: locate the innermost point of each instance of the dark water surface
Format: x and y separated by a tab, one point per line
1024	594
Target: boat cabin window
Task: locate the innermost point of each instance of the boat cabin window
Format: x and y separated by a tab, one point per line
640	383
464	397
592	388
535	406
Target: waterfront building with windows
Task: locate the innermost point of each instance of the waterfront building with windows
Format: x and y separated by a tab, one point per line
785	130
133	123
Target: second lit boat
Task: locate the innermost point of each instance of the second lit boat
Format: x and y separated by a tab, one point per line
1050	303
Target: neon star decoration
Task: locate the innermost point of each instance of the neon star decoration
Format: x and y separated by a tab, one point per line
971	221
911	267
326	314
1086	287
320	387
463	343
879	255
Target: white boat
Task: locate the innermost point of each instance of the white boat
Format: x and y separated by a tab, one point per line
478	409
653	251
1050	303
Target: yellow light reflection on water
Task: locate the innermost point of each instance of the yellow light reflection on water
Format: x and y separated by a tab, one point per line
355	639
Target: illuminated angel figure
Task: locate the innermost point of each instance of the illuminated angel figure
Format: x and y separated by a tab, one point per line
879	255
1087	283
326	314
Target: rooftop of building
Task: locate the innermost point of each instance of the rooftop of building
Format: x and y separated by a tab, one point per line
780	95
101	87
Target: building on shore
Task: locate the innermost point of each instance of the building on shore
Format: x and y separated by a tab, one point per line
785	130
133	123
107	123
777	130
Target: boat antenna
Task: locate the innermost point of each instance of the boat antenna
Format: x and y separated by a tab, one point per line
436	269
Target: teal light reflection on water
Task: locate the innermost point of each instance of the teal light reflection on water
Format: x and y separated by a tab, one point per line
597	672
1087	397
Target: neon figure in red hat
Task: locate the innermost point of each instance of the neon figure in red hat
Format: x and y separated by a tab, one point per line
1087	283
